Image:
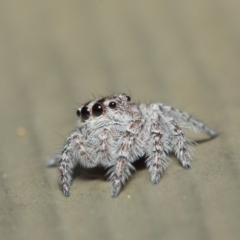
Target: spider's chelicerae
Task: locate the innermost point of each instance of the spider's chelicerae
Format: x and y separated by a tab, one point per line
114	132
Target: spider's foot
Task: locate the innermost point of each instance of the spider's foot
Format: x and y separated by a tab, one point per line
213	134
51	163
116	187
155	177
186	165
66	191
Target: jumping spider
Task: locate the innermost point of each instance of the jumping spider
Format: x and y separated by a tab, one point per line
114	132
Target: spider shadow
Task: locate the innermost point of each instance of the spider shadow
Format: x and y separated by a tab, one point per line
89	173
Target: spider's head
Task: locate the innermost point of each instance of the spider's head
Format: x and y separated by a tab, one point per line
116	107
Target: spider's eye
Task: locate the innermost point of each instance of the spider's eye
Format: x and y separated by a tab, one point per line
78	113
84	113
128	99
112	105
97	110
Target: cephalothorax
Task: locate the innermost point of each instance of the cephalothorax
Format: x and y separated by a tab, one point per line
114	132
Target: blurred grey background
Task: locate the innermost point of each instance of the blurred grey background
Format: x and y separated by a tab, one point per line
55	55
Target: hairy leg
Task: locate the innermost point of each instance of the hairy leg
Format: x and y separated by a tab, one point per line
187	120
121	168
179	142
158	149
73	151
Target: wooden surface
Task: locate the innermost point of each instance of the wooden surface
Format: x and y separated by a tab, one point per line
55	55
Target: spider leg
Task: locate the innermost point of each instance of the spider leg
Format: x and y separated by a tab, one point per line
157	160
73	151
121	168
187	120
179	142
53	162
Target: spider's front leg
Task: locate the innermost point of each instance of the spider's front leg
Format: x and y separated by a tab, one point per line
73	151
121	170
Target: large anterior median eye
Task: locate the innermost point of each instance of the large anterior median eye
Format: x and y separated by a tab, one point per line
84	113
97	110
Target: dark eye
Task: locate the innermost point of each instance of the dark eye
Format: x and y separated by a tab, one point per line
84	113
128	99
112	105
97	110
78	113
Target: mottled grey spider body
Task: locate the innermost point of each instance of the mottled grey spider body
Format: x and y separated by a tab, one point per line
113	132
